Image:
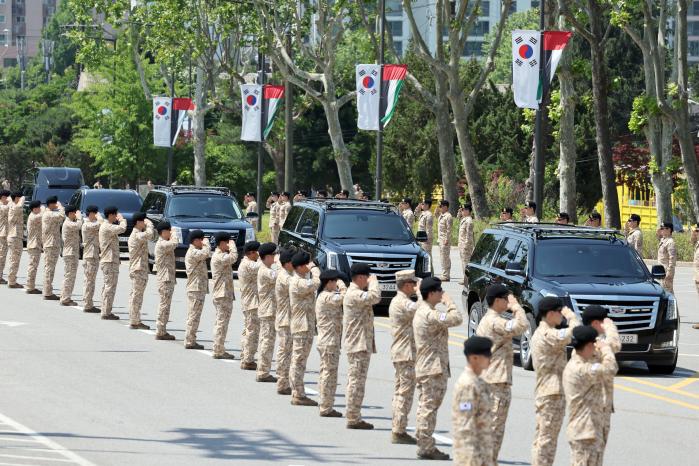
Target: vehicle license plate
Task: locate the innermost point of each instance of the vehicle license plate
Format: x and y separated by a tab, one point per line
387	286
628	338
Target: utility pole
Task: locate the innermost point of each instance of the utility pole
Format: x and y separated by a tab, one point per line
289	129
47	48
22	59
261	147
382	104
539	160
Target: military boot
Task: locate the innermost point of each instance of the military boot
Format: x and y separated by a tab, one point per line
433	455
92	310
331	413
110	317
266	378
224	356
403	439
360	425
249	366
167	336
305	401
193	346
140	326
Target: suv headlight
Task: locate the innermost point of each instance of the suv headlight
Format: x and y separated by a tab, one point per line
331	259
426	264
672	308
249	234
177	231
547	294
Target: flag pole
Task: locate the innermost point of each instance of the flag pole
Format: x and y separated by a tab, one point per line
379	134
539	161
171	150
261	148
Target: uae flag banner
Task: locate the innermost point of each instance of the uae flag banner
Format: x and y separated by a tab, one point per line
392	80
253	102
272	96
168	115
376	102
525	67
554	43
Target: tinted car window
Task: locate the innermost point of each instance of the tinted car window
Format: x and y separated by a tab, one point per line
203	206
521	255
506	253
485	249
293	218
125	201
587	260
369	225
309	219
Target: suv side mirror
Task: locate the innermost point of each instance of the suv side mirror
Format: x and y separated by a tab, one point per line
307	232
421	236
514	268
658	272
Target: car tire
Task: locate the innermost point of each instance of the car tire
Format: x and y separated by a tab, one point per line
525	353
475	314
665	369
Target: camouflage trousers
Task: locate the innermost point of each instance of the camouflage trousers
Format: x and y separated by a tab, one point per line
251	336
110	278
139	280
427	247
356	383
445	257
224	309
90	266
465	253
584	452
70	271
165	290
3	255
431	394
327	378
550	411
301	348
195	304
14	248
275	234
501	396
32	267
51	255
283	357
266	346
668	283
606	425
403	393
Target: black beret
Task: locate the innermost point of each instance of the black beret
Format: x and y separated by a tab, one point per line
564	215
468	207
430	284
16	195
595	216
583	334
530	204
250	194
300	258
668	225
329	274
286	193
196	234
275	193
550	303
497	291
427	201
110	210
407	200
285	255
34	204
5	193
138	217
51	200
593	312
345	192
251	246
635	218
507	210
267	248
222	236
360	269
92	209
164	225
478	346
444	203
70	209
322	192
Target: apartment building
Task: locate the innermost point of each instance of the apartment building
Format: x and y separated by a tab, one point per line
21	22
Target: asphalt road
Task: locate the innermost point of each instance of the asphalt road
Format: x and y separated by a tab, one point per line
78	390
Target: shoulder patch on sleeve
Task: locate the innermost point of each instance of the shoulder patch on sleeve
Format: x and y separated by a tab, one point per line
273	274
465	406
442	316
509	325
594	367
411	306
337	297
364	295
562	334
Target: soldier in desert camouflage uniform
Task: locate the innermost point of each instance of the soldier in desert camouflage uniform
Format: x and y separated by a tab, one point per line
165	268
247	275
110	229
466	242
4	227
34	245
91	256
225	255
444	226
142	232
51	221
15	236
667	255
197	284
71	253
266	281
282	321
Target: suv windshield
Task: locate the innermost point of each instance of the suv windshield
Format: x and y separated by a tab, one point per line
207	206
366	225
125	202
602	260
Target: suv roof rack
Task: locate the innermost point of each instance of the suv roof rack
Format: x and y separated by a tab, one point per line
555	229
195	189
331	204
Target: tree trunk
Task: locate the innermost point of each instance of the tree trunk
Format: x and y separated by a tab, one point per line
529	182
660	131
341	153
566	134
277	156
199	129
445	142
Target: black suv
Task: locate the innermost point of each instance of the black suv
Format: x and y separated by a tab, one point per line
583	266
339	233
197	208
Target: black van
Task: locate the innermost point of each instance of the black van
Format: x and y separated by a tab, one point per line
53	181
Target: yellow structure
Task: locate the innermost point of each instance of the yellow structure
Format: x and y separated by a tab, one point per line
634	201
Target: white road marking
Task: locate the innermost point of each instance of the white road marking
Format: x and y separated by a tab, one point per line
206	352
437	437
79	308
690	355
11	324
70	457
310	391
148	332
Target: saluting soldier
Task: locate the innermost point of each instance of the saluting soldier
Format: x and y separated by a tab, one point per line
281	321
444	225
506	215
426	224
34	245
91	256
15	237
499	374
406	211
549	356
274	225
401	311
583	383
329	323
634	236
529	212
247	275
266	281
71	253
303	286
142	232
225	255
166	269
284	208
431	326
251	207
466	238
51	221
110	229
4	228
197	284
563	218
667	255
594	220
471	407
